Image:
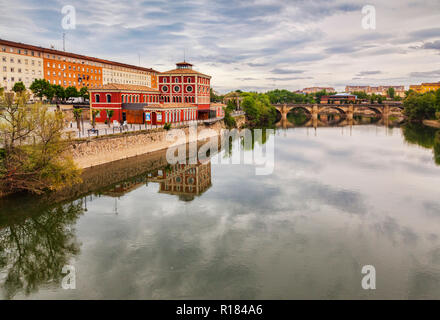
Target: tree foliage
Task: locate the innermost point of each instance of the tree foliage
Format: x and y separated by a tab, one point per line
19	87
84	93
71	92
42	88
258	108
419	107
35	156
391	92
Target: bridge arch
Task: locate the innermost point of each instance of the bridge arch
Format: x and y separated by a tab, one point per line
307	110
340	110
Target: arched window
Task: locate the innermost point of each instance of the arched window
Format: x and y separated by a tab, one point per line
109	98
97	98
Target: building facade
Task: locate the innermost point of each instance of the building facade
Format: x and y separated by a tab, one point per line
135	104
184	86
379	90
23	62
425	87
318	89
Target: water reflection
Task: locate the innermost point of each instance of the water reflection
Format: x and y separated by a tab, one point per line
424	136
35	244
334	203
184	180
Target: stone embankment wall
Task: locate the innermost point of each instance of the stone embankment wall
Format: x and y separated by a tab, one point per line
105	149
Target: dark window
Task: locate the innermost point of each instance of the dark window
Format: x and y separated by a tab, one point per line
97	98
109	98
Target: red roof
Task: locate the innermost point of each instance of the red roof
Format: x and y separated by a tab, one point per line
124	87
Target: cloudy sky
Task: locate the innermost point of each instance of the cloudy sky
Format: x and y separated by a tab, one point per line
246	44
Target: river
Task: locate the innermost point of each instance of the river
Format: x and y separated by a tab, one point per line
338	199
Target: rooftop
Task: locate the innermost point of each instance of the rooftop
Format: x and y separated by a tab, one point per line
71	55
184	68
127	87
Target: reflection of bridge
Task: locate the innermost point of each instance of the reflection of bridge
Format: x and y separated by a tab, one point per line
346	112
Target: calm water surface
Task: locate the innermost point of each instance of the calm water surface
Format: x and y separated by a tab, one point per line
339	198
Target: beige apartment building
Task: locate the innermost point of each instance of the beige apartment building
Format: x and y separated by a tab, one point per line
379	90
25	63
19	67
318	89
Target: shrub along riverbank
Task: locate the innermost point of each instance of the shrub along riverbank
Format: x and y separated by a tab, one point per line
259	110
33	156
425	106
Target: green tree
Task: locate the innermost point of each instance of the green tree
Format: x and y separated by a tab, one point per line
71	92
391	92
19	87
35	156
84	93
59	92
361	95
379	99
41	88
258	108
228	119
419	107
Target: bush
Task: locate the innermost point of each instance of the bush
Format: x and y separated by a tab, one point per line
229	120
419	107
167	126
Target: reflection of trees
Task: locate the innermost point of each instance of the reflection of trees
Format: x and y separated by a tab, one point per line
35	247
297	116
437	148
424	136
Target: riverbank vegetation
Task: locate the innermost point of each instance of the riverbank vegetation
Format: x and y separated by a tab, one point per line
34	155
228	119
422	106
258	108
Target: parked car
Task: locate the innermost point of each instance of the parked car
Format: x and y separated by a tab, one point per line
74	100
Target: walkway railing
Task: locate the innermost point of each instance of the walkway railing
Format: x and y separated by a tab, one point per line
88	131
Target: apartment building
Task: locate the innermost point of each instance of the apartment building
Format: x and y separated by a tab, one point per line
23	62
318	89
379	90
425	87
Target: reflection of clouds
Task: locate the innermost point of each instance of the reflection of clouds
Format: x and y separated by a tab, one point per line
303	232
432	208
396	233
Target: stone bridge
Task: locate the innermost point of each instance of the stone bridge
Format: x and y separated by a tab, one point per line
345	110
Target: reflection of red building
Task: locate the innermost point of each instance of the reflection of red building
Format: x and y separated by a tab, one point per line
137	104
183	180
185	86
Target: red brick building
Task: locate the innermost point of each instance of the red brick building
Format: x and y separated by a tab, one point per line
185	86
137	104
